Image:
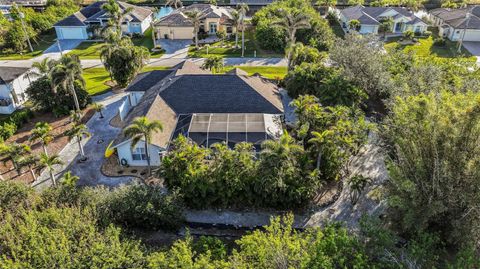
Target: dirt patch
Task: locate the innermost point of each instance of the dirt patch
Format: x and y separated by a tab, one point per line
59	126
117	122
112	168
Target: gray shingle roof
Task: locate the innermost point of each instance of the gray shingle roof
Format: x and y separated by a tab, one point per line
94	12
178	17
8	74
457	17
146	80
371	15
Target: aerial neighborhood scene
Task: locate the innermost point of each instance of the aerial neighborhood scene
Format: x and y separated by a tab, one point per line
240	134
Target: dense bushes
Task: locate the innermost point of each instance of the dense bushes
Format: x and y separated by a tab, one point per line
13	122
271	37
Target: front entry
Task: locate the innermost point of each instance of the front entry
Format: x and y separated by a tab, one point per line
213	28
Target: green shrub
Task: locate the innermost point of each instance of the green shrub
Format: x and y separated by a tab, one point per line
14	195
7	130
215	246
439	42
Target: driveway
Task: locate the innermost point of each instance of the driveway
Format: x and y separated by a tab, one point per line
102	134
473	48
174	48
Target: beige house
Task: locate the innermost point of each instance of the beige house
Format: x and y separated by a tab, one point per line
177	25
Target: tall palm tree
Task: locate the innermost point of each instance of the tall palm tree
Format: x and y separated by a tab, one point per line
318	140
291	21
29	161
242	10
284	148
42	68
98	108
15	152
43	133
143	129
175	3
67	71
237	21
116	15
78	131
49	162
194	16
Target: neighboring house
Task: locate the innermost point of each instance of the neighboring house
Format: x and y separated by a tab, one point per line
176	25
13	83
451	23
83	24
204	107
370	19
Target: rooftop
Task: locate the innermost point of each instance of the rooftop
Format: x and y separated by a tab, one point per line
8	74
373	15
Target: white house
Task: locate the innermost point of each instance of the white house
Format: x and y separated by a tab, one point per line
81	24
13	83
201	106
370	19
452	23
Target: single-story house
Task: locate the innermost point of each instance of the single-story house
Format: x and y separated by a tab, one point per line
201	106
13	83
176	25
370	19
83	23
451	23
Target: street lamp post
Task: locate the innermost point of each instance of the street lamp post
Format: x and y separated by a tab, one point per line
22	16
460	42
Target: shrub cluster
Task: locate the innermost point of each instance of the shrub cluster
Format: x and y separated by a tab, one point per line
10	125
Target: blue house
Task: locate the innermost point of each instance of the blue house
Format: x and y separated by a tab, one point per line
84	23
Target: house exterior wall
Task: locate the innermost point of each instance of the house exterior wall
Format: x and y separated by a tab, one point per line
470	34
125	152
15	92
368	29
67	32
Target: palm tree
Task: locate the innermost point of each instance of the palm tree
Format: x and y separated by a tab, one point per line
78	131
354	24
143	129
67	71
242	10
29	161
194	16
318	140
237	21
49	162
69	180
291	21
42	68
175	3
284	148
98	108
213	63
386	26
15	152
75	117
116	15
42	132
327	3
212	2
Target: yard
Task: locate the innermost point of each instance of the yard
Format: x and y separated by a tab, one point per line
227	48
270	72
96	79
91	50
44	41
425	48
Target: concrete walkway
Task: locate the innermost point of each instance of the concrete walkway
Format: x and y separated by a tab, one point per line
89	171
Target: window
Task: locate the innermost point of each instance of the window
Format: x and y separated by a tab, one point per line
138	154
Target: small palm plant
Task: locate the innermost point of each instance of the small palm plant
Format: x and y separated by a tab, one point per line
143	129
213	63
15	152
78	131
194	16
354	25
98	108
49	162
43	133
69	180
30	161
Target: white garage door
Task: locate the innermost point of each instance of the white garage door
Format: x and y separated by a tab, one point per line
72	33
472	35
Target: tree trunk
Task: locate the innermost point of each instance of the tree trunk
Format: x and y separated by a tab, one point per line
147	154
45	149
319	159
33	174
52	177
243	40
101	114
79	141
196	37
77	105
236	38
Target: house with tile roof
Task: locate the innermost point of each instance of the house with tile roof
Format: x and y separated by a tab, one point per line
13	83
83	23
176	25
452	23
370	19
206	108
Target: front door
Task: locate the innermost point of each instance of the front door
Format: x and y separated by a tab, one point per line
213	28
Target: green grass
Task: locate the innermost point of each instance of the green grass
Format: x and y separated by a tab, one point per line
425	48
270	72
91	50
44	41
95	78
228	48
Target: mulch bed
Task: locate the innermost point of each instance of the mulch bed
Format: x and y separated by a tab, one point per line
59	125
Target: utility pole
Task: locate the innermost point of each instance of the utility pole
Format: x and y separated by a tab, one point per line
22	16
460	42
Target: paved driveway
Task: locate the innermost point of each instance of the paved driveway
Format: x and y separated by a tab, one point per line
473	48
66	45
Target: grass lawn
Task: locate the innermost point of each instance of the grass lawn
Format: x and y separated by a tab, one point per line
91	50
270	72
44	41
228	49
425	48
95	78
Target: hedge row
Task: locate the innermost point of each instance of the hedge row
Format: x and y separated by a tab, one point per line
12	123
